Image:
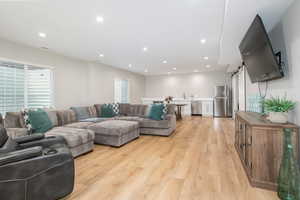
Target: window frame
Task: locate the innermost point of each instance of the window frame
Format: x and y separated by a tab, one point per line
128	89
42	66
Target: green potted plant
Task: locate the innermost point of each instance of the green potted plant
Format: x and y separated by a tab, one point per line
278	109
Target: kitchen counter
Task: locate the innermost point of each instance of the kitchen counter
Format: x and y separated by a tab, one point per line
207	104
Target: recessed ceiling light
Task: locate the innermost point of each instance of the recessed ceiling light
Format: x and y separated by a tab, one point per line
100	19
174	68
165	62
203	40
42	35
146	70
101	55
196	70
130	65
205	58
207	66
145	49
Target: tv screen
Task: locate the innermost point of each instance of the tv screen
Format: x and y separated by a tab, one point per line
258	55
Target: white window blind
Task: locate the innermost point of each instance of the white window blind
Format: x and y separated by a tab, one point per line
12	89
121	91
39	90
24	86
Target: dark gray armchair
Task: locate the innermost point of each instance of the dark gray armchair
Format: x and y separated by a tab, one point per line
35	168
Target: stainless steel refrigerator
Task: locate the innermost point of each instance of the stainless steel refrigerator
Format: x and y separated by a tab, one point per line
222	101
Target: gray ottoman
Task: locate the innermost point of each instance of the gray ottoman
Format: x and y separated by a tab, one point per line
115	132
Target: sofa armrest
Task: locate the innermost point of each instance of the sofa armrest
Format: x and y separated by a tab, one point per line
16	156
171	118
29	138
16	132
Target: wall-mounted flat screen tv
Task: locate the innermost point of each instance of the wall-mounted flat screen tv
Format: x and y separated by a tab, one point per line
258	55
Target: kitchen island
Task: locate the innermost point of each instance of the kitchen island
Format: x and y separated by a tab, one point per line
206	108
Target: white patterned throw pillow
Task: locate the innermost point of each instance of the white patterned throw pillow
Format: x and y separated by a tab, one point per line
165	111
26	120
115	107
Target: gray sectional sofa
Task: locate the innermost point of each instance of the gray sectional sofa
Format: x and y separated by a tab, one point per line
82	126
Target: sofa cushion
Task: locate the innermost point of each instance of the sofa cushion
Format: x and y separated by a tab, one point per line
137	110
130	118
81	112
114	127
65	117
149	123
73	136
124	109
53	116
82	125
98	109
14	120
96	119
92	111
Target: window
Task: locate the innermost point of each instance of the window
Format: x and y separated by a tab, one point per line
121	91
23	86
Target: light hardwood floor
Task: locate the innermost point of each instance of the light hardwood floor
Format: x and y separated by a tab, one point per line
198	162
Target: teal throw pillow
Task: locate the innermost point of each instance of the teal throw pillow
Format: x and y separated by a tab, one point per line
156	111
39	120
107	111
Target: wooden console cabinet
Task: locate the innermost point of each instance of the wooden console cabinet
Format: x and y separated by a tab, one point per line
259	145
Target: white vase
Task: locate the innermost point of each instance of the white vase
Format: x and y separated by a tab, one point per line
278	117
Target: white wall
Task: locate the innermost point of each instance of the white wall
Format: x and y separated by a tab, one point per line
76	82
285	37
197	84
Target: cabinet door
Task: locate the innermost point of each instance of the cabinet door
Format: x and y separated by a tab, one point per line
237	132
242	139
207	108
248	149
267	154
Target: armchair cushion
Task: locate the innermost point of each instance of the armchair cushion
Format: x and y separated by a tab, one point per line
3	136
16	156
29	138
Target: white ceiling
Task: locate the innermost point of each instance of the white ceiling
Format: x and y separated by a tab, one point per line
170	29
